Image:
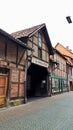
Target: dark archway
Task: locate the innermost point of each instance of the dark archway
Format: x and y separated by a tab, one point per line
37	81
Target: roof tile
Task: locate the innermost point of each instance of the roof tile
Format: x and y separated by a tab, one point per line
27	32
64	50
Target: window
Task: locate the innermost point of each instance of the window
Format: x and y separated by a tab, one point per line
39	52
39	40
39	45
70	70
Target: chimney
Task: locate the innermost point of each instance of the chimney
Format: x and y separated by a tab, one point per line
67	47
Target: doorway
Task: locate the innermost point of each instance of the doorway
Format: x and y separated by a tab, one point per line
71	86
3	85
37	81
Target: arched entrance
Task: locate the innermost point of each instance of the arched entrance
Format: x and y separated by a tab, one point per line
37	81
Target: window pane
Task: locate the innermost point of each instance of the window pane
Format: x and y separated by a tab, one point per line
40	40
39	53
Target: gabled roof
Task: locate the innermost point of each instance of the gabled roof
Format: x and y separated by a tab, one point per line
66	53
4	33
27	32
63	50
30	31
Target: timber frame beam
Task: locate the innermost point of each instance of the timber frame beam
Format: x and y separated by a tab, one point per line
21	56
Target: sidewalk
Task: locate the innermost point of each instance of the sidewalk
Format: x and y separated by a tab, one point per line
31	101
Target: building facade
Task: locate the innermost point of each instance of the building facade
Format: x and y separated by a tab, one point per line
31	67
70	72
37	68
12	68
58	73
68	54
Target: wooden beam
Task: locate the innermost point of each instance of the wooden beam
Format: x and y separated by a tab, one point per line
16	55
21	56
6	48
18	83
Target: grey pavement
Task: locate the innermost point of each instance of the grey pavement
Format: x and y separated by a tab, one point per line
50	113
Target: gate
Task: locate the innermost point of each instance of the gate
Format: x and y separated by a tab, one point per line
3	88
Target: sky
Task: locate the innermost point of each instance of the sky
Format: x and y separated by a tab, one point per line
16	15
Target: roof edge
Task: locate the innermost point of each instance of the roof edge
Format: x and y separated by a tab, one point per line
12	38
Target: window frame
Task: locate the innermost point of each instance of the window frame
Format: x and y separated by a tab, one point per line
39	45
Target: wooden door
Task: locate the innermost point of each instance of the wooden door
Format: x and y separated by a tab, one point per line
3	88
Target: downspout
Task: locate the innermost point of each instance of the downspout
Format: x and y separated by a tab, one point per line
25	79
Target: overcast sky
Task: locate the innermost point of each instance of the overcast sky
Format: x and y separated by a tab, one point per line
20	14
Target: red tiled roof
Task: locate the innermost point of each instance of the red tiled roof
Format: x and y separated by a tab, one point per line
63	50
27	32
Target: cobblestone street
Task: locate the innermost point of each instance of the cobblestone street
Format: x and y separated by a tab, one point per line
51	113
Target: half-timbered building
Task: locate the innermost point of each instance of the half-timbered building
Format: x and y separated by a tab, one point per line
12	68
37	63
68	54
58	68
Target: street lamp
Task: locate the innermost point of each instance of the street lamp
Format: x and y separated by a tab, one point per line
68	18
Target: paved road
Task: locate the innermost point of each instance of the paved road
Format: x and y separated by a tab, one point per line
51	113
